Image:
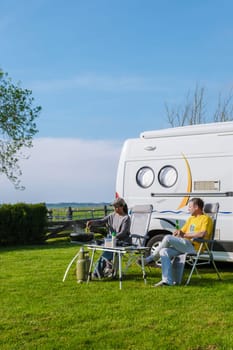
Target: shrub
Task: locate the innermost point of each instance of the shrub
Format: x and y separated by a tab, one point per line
22	223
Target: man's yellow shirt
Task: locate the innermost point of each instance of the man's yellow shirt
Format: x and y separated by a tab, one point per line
198	223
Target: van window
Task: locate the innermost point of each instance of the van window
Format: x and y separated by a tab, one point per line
168	176
145	177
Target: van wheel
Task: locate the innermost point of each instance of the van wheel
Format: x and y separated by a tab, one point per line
153	244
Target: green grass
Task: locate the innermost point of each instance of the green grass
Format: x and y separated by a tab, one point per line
39	311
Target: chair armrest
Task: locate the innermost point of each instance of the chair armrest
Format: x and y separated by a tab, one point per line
203	240
200	240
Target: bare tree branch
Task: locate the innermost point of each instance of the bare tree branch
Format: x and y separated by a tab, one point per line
194	109
224	109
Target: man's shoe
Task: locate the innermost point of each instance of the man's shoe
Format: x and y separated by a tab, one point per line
160	284
152	264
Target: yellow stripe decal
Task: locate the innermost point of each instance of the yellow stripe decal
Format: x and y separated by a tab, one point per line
189	185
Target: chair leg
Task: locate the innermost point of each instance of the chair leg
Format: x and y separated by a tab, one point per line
115	265
191	273
194	267
217	272
211	260
131	260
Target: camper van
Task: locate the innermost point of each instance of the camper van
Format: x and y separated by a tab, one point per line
168	167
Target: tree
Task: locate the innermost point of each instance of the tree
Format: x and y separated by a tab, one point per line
224	109
194	109
17	126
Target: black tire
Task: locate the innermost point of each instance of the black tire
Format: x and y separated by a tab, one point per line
154	242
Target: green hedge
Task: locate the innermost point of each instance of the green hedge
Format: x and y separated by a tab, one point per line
22	223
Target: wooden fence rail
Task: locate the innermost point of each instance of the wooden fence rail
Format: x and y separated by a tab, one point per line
60	219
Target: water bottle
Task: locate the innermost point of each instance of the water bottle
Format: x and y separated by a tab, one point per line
113	239
177	225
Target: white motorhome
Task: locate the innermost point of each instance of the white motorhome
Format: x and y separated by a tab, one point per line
167	167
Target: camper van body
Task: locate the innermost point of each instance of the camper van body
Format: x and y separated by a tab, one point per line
168	167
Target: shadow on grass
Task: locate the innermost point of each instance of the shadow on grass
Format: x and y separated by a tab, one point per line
46	245
207	275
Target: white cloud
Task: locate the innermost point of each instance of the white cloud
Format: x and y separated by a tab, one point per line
66	170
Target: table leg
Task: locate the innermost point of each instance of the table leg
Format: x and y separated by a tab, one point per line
120	269
143	268
91	264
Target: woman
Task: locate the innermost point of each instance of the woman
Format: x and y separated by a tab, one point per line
118	222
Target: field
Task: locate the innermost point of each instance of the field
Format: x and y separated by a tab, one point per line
39	311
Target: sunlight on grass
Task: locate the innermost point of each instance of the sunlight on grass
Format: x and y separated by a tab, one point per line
39	311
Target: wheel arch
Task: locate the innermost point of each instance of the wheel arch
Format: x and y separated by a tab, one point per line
156	232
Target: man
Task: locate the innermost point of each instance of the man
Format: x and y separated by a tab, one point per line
199	225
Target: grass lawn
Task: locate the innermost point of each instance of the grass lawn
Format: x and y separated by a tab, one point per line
39	311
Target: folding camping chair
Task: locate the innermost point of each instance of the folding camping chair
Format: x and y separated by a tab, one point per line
140	221
204	254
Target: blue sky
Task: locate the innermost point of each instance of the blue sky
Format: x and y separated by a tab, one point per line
102	72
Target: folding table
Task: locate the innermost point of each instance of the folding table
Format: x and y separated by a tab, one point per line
119	251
